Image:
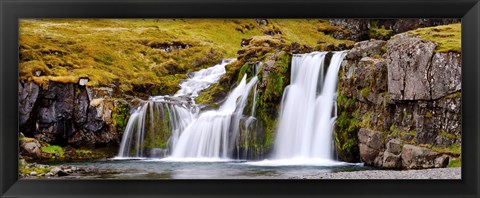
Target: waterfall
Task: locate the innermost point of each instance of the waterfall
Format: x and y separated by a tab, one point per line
154	121
306	123
214	133
163	118
202	79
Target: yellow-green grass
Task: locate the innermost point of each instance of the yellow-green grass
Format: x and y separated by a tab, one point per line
455	162
447	37
126	52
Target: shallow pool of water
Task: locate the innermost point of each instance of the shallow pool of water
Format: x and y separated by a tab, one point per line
212	169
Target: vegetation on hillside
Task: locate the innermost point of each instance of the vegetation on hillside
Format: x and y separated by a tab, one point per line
447	37
145	55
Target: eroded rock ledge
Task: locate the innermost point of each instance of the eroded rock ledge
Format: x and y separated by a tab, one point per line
400	101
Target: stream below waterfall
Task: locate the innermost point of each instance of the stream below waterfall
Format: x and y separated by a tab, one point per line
226	169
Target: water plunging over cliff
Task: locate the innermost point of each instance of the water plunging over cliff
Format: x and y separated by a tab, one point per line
163	118
211	134
305	127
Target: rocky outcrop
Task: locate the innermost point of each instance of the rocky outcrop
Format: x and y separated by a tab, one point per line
396	93
414	157
365	29
415	73
70	114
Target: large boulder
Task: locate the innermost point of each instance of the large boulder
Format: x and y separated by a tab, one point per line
415	157
371	146
408	62
30	147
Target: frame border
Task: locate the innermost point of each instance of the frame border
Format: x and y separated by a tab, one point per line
11	11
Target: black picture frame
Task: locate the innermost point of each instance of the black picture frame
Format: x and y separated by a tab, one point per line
11	11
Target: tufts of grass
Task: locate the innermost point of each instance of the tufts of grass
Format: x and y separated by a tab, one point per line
447	37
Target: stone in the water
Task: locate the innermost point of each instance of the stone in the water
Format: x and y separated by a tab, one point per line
33	173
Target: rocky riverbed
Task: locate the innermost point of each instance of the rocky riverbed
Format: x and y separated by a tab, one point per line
437	173
43	171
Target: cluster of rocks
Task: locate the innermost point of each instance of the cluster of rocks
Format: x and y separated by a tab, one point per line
394	154
404	93
69	114
53	171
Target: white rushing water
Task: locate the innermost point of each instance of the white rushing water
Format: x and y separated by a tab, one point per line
167	115
191	136
304	133
305	123
159	118
213	134
202	79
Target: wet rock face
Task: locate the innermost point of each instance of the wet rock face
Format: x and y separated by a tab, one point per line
407	93
65	114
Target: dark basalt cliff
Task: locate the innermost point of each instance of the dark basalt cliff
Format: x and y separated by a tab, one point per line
71	114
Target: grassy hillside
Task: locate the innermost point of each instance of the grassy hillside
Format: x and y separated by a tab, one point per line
447	37
136	55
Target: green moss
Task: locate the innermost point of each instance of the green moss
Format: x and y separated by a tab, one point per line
376	32
22	169
346	128
447	37
454	95
365	92
452	150
366	120
83	152
157	133
53	149
447	135
405	115
456	162
428	114
412	133
121	115
394	130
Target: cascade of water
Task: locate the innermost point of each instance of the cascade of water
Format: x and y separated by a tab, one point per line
158	120
255	90
213	134
305	122
202	79
163	118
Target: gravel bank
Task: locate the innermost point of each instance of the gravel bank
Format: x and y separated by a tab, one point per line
437	173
